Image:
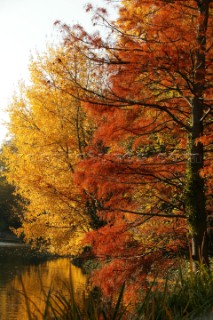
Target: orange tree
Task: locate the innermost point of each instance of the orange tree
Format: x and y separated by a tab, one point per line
151	153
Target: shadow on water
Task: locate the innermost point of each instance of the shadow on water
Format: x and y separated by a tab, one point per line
16	264
12	261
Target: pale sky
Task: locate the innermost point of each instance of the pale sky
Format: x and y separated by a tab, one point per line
26	26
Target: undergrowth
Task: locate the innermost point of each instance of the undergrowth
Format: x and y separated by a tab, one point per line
189	297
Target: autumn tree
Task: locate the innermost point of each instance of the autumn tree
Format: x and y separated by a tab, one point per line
151	153
49	130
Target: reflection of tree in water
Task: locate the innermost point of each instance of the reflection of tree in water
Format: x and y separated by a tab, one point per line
11	265
38	278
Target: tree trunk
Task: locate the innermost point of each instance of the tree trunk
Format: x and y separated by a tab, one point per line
196	188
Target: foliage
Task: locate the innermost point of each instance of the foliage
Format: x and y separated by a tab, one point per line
151	148
49	130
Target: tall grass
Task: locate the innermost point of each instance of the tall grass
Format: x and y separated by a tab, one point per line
58	306
188	297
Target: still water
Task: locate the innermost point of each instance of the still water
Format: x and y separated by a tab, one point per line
16	270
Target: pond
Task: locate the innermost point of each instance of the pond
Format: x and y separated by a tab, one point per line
17	270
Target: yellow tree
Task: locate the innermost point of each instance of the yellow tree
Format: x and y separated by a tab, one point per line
49	131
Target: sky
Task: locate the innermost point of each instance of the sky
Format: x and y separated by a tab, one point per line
27	26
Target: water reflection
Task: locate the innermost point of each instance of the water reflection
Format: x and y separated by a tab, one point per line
36	278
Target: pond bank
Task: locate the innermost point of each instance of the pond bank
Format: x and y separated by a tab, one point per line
12	247
8	236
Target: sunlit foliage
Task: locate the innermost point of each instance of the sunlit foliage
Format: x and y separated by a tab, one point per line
49	130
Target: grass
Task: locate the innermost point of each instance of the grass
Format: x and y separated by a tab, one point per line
187	298
190	297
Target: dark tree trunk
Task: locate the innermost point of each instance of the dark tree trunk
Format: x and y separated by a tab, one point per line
196	188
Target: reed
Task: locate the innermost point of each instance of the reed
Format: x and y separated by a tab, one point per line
189	297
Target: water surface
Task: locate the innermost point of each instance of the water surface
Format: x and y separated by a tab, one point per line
16	268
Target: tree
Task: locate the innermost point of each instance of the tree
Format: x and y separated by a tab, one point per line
49	130
154	102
